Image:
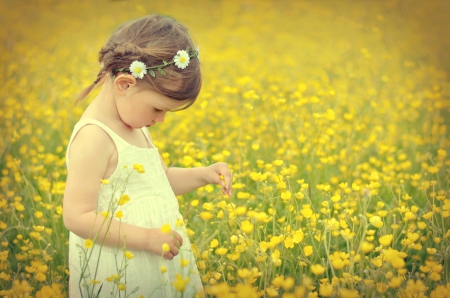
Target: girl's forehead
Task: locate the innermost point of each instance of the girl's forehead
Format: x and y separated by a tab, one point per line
167	103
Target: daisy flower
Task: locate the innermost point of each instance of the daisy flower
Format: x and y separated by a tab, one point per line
138	69
181	59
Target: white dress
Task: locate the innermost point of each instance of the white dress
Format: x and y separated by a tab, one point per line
152	204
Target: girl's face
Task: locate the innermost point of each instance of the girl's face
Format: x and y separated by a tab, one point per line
141	107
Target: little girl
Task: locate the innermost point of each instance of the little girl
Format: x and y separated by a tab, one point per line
149	66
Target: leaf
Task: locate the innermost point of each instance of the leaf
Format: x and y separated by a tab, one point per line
152	73
161	71
164	62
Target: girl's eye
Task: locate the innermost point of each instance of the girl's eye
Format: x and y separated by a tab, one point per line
158	110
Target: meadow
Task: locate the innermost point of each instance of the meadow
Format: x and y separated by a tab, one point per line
333	116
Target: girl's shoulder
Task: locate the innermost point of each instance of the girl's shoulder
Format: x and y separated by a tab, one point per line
88	158
91	141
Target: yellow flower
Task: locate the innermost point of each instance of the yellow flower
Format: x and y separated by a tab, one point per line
165	247
421	225
38	228
288	283
206	215
163	269
119	214
386	240
139	168
278	162
166	228
105	181
338	263
221	251
124	199
317	269
121	287
376	221
308	250
95	281
184	262
105	213
19	206
214	243
326	290
114	277
88	243
395	282
40	277
180	283
247	227
289	242
128	254
179	222
398	263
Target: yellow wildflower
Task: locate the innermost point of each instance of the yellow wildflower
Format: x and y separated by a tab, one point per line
128	254
88	243
124	199
317	269
180	283
165	247
166	228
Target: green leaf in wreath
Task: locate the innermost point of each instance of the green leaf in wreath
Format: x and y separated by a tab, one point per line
161	71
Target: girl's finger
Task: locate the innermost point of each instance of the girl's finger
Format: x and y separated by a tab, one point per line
174	250
168	256
179	239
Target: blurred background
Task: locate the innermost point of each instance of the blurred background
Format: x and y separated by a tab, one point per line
306	100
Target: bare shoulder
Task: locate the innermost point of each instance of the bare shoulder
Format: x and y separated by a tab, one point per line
91	145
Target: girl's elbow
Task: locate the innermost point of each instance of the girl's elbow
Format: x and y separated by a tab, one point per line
68	222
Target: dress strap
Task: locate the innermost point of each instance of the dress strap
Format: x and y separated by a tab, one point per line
147	136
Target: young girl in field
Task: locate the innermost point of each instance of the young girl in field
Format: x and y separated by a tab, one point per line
149	66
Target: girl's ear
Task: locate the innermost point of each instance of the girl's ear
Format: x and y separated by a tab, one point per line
123	82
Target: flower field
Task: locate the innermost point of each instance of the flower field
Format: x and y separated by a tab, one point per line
334	117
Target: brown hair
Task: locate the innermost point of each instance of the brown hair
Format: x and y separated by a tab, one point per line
151	40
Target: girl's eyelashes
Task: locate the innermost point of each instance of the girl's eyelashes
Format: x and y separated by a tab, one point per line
158	110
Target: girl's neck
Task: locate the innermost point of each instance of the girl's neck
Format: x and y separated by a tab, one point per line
103	107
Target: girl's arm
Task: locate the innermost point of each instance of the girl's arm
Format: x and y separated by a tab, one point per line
184	180
89	156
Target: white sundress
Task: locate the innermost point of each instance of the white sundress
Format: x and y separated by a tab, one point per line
152	204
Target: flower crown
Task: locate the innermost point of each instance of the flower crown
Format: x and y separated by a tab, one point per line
138	69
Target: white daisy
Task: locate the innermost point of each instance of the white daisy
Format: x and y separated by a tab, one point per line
181	59
138	69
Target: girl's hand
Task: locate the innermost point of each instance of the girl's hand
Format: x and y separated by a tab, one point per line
219	173
158	238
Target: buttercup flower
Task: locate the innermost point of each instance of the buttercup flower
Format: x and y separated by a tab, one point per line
180	283
128	254
138	69
165	247
166	228
181	59
124	199
88	243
